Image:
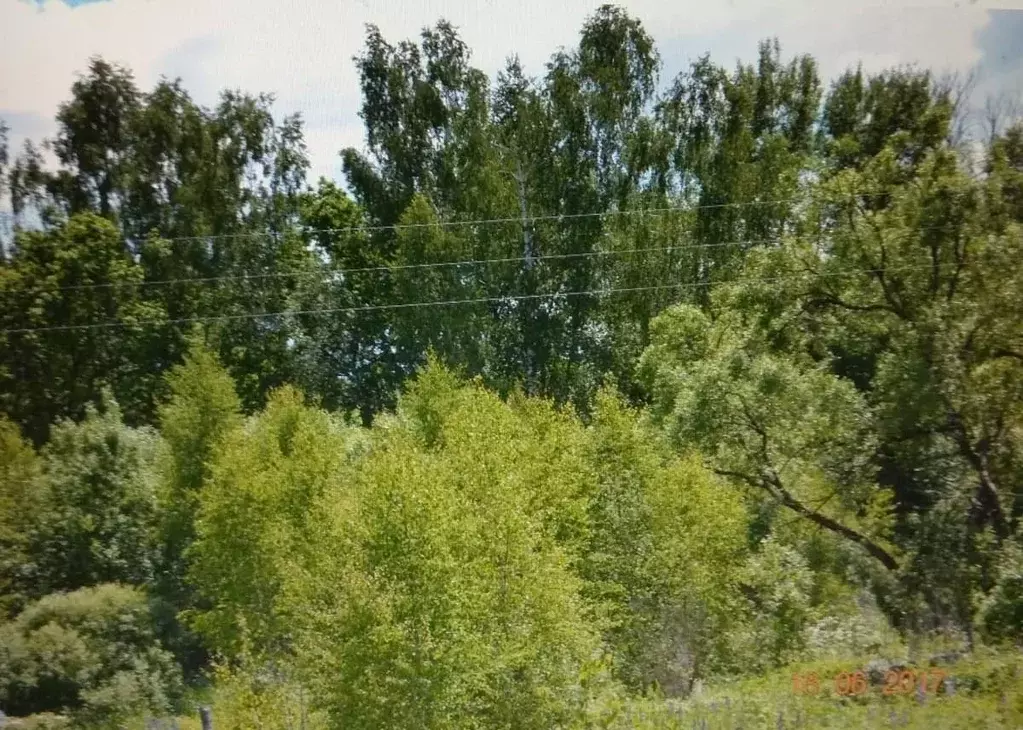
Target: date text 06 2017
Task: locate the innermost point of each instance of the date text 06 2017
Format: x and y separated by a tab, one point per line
896	681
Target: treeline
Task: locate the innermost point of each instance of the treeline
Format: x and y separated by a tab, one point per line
740	360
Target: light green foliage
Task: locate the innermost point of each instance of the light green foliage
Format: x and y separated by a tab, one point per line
92	652
260	697
98	520
442	594
22	495
780	424
665	555
202	410
252	517
780	583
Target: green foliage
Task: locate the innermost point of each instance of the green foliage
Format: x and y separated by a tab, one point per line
780	424
441	592
1001	615
97	523
252	515
779	581
665	533
900	107
202	410
92	652
22	497
79	273
262	696
982	691
746	362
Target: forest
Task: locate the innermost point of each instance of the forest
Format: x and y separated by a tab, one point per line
586	398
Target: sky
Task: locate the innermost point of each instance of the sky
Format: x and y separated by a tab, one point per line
301	50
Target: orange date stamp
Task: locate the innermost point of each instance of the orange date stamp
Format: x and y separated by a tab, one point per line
855	683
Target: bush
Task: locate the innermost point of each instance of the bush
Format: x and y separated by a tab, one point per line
99	517
92	652
440	592
778	585
1002	611
262	695
43	721
21	500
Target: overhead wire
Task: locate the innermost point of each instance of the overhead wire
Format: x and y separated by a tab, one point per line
326	275
531	219
303	274
549	217
432	303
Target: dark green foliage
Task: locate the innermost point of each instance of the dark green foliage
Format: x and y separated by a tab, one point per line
1002	612
97	521
92	652
75	276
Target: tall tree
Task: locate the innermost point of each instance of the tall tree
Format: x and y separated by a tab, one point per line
95	138
71	301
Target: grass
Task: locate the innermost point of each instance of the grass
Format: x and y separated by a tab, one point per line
984	691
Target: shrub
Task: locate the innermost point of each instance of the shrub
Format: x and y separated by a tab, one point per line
1002	611
92	652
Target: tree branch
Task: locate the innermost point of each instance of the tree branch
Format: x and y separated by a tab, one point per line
770	483
977	456
875	550
1012	354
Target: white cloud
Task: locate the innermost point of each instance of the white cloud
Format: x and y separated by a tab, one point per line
301	49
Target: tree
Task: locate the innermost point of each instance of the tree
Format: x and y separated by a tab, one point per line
253	510
74	322
202	410
439	591
97	523
666	550
92	653
346	358
902	107
787	428
95	137
902	293
22	498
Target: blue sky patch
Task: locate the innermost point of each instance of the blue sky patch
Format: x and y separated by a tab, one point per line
72	3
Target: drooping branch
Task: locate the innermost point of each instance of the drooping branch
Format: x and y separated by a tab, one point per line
874	549
770	483
1006	353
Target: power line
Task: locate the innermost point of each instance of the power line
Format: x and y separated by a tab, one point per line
413	305
560	217
550	217
326	275
399	267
